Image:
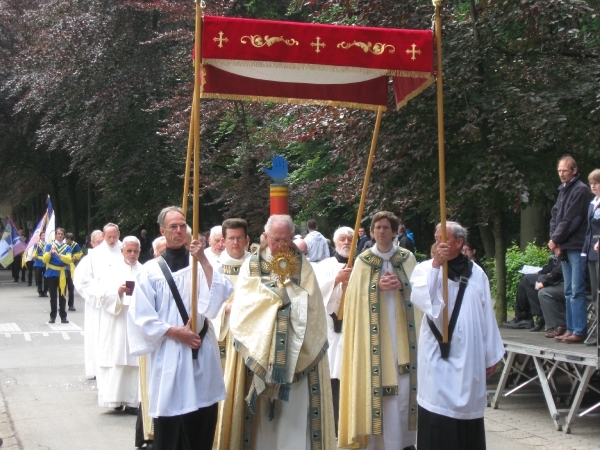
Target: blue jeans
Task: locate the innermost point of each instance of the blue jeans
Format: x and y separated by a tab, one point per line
574	274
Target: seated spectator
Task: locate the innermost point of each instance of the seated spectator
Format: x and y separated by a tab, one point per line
527	302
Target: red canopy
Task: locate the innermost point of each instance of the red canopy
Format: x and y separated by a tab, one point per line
291	62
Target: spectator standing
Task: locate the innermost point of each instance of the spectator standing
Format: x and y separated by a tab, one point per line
363	237
568	228
404	239
145	247
593	229
18	261
318	250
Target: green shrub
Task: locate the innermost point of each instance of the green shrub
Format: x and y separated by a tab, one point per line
515	260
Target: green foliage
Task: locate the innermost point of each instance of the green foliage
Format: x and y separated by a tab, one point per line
515	260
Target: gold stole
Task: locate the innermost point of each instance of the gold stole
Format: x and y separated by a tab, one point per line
368	371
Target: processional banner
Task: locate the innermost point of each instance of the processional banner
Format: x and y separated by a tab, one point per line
289	62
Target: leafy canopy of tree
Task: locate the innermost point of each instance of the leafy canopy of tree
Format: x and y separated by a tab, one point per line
96	101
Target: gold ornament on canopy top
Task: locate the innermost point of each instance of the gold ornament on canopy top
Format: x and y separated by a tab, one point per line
284	263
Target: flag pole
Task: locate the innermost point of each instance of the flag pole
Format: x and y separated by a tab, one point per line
196	160
363	197
442	162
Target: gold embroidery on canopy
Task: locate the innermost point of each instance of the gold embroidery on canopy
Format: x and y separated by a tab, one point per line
220	39
318	44
413	51
259	41
377	49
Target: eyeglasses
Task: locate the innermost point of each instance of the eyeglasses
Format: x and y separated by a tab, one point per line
277	241
235	238
177	226
594	183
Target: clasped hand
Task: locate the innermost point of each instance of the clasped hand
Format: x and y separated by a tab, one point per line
389	282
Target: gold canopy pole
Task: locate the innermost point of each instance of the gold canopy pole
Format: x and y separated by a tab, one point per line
442	161
188	162
196	160
363	197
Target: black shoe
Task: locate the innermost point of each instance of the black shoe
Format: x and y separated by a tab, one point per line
592	343
520	325
539	326
28	284
44	294
64	321
118	408
510	322
131	410
72	309
51	321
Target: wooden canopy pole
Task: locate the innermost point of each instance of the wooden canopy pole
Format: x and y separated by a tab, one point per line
442	158
363	197
188	162
196	160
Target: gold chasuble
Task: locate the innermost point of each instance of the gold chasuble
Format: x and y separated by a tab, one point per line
368	369
278	338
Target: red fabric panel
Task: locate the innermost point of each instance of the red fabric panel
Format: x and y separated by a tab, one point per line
222	39
372	92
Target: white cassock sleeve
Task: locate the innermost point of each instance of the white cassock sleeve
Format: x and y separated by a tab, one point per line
221	289
83	277
425	284
326	271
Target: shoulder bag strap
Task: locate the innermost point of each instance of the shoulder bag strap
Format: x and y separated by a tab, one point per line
464	280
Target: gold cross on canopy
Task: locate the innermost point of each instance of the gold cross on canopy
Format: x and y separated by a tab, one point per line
221	39
318	44
413	51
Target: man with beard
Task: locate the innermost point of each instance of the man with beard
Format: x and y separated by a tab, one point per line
333	275
117	368
39	266
452	386
235	233
215	241
57	256
379	379
278	378
185	379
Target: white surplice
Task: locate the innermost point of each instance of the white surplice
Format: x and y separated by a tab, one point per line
118	374
326	271
455	387
89	269
212	257
396	433
177	384
221	321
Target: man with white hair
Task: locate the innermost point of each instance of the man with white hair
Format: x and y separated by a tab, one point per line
333	275
117	368
279	332
100	259
216	245
158	246
452	387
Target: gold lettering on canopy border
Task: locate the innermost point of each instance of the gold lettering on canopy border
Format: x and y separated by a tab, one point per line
318	44
413	51
377	49
259	41
220	39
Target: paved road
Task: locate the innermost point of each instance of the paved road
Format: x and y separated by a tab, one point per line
47	403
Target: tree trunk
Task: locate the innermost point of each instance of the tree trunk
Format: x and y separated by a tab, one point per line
500	258
56	203
72	201
487	238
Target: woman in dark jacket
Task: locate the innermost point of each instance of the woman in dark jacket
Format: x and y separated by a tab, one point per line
593	229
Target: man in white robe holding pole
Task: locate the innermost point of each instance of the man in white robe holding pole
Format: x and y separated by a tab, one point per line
333	275
185	378
117	368
452	377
